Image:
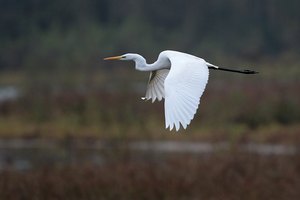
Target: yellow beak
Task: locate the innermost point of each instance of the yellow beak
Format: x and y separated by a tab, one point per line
113	58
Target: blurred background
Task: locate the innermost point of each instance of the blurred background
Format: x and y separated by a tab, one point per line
73	126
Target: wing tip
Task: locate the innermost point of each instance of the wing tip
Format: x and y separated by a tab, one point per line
177	126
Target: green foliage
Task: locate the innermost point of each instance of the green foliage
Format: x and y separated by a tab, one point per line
61	34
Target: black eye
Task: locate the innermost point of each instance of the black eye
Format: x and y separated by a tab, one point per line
123	56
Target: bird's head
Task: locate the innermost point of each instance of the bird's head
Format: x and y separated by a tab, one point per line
127	56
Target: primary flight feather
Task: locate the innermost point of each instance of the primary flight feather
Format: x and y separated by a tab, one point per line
178	77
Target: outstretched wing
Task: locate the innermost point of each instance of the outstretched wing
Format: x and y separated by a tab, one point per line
155	88
184	86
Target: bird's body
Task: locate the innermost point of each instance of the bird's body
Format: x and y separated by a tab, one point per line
178	77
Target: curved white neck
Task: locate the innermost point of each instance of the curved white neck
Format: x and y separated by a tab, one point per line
142	65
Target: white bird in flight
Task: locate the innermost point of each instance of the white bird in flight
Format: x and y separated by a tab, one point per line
178	77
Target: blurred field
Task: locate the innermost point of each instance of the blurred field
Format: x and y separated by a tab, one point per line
219	176
105	106
70	122
263	107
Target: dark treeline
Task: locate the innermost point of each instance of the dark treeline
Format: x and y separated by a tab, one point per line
58	34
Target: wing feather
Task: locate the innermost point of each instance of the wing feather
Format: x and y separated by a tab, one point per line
184	86
155	87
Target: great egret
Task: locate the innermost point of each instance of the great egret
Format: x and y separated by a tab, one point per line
178	77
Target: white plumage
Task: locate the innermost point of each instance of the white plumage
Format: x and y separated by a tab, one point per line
184	86
181	86
178	77
155	88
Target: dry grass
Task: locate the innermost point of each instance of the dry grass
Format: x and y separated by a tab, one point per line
220	176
